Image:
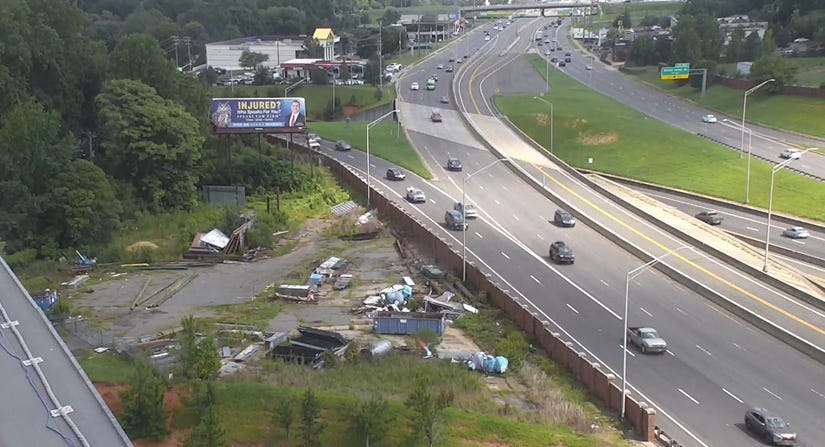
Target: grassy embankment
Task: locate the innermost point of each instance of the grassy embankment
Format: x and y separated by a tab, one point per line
637	11
624	142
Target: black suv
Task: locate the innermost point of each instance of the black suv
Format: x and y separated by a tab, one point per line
710	217
395	174
454	164
342	145
561	253
563	218
769	426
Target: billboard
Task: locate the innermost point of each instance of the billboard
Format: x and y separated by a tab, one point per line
252	115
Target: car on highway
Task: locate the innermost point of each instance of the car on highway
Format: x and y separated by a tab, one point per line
563	218
567	59
588	67
769	426
561	253
554	60
709	119
395	174
539	44
415	86
547	52
487	37
313	141
449	69
791	154
342	145
435	116
709	217
459	61
454	164
562	64
445	99
796	233
415	195
439	67
469	210
646	339
454	220
552	49
558	48
431	84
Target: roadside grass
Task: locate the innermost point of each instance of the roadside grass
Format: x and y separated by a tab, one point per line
317	97
638	11
107	367
385	142
624	142
810	70
794	113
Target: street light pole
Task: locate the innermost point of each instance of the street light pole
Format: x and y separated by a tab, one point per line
369	126
464	217
748	173
630	275
551	118
770	205
745	107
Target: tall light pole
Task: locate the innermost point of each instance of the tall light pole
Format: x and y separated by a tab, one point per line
745	107
551	118
748	173
369	126
630	275
464	217
770	205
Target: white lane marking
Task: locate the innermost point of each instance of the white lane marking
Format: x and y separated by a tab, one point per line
752	229
818	393
350	156
502	186
771	393
572	308
603	282
703	349
505	255
680	310
497	202
373	166
688	396
536	280
740	347
539	236
670	352
648	313
431	200
541	217
480	187
516	217
479	235
796	241
732	395
629	352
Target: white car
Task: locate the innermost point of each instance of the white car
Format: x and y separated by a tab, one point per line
415	195
708	118
796	233
791	154
313	141
486	37
469	210
588	67
414	86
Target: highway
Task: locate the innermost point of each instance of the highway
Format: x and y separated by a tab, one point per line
717	365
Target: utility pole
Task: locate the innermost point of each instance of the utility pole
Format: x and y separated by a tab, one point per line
176	40
380	58
189	51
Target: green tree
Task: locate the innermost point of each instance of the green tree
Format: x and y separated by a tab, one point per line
207	360
188	344
150	143
283	412
199	359
753	47
391	15
370	420
143	414
252	60
773	66
209	432
311	427
708	27
736	45
768	43
643	51
427	407
686	46
139	57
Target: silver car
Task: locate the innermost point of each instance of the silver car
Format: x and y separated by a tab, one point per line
796	233
469	210
415	195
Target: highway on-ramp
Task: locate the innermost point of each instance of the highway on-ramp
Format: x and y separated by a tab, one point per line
718	364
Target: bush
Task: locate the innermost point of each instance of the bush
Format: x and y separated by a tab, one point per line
260	235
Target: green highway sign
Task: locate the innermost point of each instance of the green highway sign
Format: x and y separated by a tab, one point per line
671	73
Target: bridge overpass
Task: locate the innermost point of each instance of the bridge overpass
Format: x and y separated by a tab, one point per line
590	7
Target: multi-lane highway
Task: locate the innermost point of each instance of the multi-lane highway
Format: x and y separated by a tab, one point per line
717	365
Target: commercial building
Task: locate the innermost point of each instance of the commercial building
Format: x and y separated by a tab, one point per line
280	49
429	28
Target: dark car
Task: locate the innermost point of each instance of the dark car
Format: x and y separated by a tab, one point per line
769	426
558	48
454	164
435	117
567	59
710	217
449	69
554	60
561	253
562	64
395	174
342	145
563	218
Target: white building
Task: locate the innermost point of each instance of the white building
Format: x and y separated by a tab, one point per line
728	24
327	40
280	49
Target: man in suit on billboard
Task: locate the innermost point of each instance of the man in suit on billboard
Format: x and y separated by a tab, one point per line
295	118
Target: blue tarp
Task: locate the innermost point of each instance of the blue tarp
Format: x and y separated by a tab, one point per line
489	364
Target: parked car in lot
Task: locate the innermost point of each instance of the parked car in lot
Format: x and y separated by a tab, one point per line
796	233
646	339
313	141
709	118
563	218
454	164
561	253
469	210
709	217
395	174
342	145
435	117
769	426
791	154
415	195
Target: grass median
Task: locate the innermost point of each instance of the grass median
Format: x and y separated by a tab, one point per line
794	113
387	141
621	141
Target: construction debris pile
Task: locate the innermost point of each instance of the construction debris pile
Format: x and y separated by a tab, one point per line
215	243
310	346
488	364
330	270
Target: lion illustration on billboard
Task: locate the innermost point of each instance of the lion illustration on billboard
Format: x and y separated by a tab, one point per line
222	117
